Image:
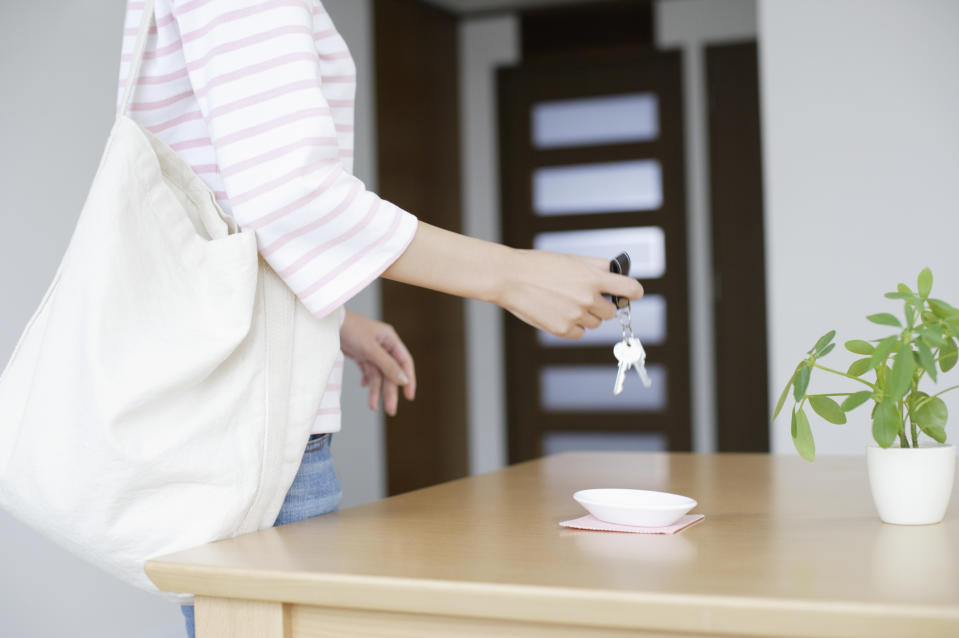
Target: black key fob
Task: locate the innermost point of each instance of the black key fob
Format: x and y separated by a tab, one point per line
619	265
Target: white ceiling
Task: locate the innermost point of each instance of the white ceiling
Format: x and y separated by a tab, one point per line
471	6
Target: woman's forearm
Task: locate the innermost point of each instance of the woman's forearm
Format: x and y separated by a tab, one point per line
452	263
558	293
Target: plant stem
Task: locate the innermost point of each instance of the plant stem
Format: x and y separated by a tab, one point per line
904	432
843	374
944	391
832	394
923	402
915	434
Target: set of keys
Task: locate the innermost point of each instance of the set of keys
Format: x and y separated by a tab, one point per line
629	352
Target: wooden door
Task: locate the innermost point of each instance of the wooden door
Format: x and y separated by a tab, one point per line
592	162
418	163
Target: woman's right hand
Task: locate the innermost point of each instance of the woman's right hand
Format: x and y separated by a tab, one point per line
562	294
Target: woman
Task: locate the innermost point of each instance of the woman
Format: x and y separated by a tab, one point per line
257	96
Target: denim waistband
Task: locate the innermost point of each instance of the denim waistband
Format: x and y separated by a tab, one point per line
318	441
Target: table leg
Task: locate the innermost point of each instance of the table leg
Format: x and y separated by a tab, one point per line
235	618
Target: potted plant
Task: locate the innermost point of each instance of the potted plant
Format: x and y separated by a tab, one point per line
911	468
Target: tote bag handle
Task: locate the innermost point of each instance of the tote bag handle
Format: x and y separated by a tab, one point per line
146	20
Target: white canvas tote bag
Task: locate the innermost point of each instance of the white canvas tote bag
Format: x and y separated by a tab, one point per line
163	392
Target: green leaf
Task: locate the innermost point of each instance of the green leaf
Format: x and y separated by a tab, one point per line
933	335
886	423
802	436
824	340
884	319
785	393
925	282
825	351
948	355
936	433
914	398
910	313
853	401
883	373
827	408
903	288
926	360
802	382
902	370
858	346
929	317
859	367
932	414
942	310
898	295
883	349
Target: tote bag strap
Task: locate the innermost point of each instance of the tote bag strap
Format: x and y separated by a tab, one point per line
146	20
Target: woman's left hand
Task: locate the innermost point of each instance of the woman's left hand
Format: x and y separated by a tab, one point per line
385	362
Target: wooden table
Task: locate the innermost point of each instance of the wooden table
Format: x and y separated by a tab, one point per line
787	548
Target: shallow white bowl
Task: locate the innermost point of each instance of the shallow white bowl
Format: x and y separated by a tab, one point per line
640	508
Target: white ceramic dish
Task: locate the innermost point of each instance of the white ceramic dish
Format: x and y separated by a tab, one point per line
640	508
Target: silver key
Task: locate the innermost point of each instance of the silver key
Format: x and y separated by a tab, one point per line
628	352
624	367
640	364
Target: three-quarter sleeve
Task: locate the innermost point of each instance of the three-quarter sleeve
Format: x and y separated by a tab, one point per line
275	87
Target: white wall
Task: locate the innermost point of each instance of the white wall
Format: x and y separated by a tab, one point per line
691	25
58	70
860	108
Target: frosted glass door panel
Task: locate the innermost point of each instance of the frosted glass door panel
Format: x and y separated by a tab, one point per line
559	442
646	246
610	119
572	388
608	187
649	324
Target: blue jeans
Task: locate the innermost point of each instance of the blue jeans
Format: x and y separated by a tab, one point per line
315	490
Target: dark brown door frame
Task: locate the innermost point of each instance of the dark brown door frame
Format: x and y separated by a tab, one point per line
735	164
417	97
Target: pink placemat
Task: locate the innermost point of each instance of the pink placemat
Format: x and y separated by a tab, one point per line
591	522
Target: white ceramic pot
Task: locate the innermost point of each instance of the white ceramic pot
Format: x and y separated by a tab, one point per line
911	486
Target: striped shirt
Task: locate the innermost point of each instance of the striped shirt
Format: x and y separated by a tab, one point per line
257	96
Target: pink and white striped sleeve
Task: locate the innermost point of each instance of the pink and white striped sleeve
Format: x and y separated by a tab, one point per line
284	145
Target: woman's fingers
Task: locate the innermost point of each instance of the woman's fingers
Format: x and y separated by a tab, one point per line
376	382
621	286
398	351
389	367
603	308
383	359
615	284
590	321
574	332
365	372
391	397
597	262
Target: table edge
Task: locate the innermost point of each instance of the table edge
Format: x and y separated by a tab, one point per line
561	605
